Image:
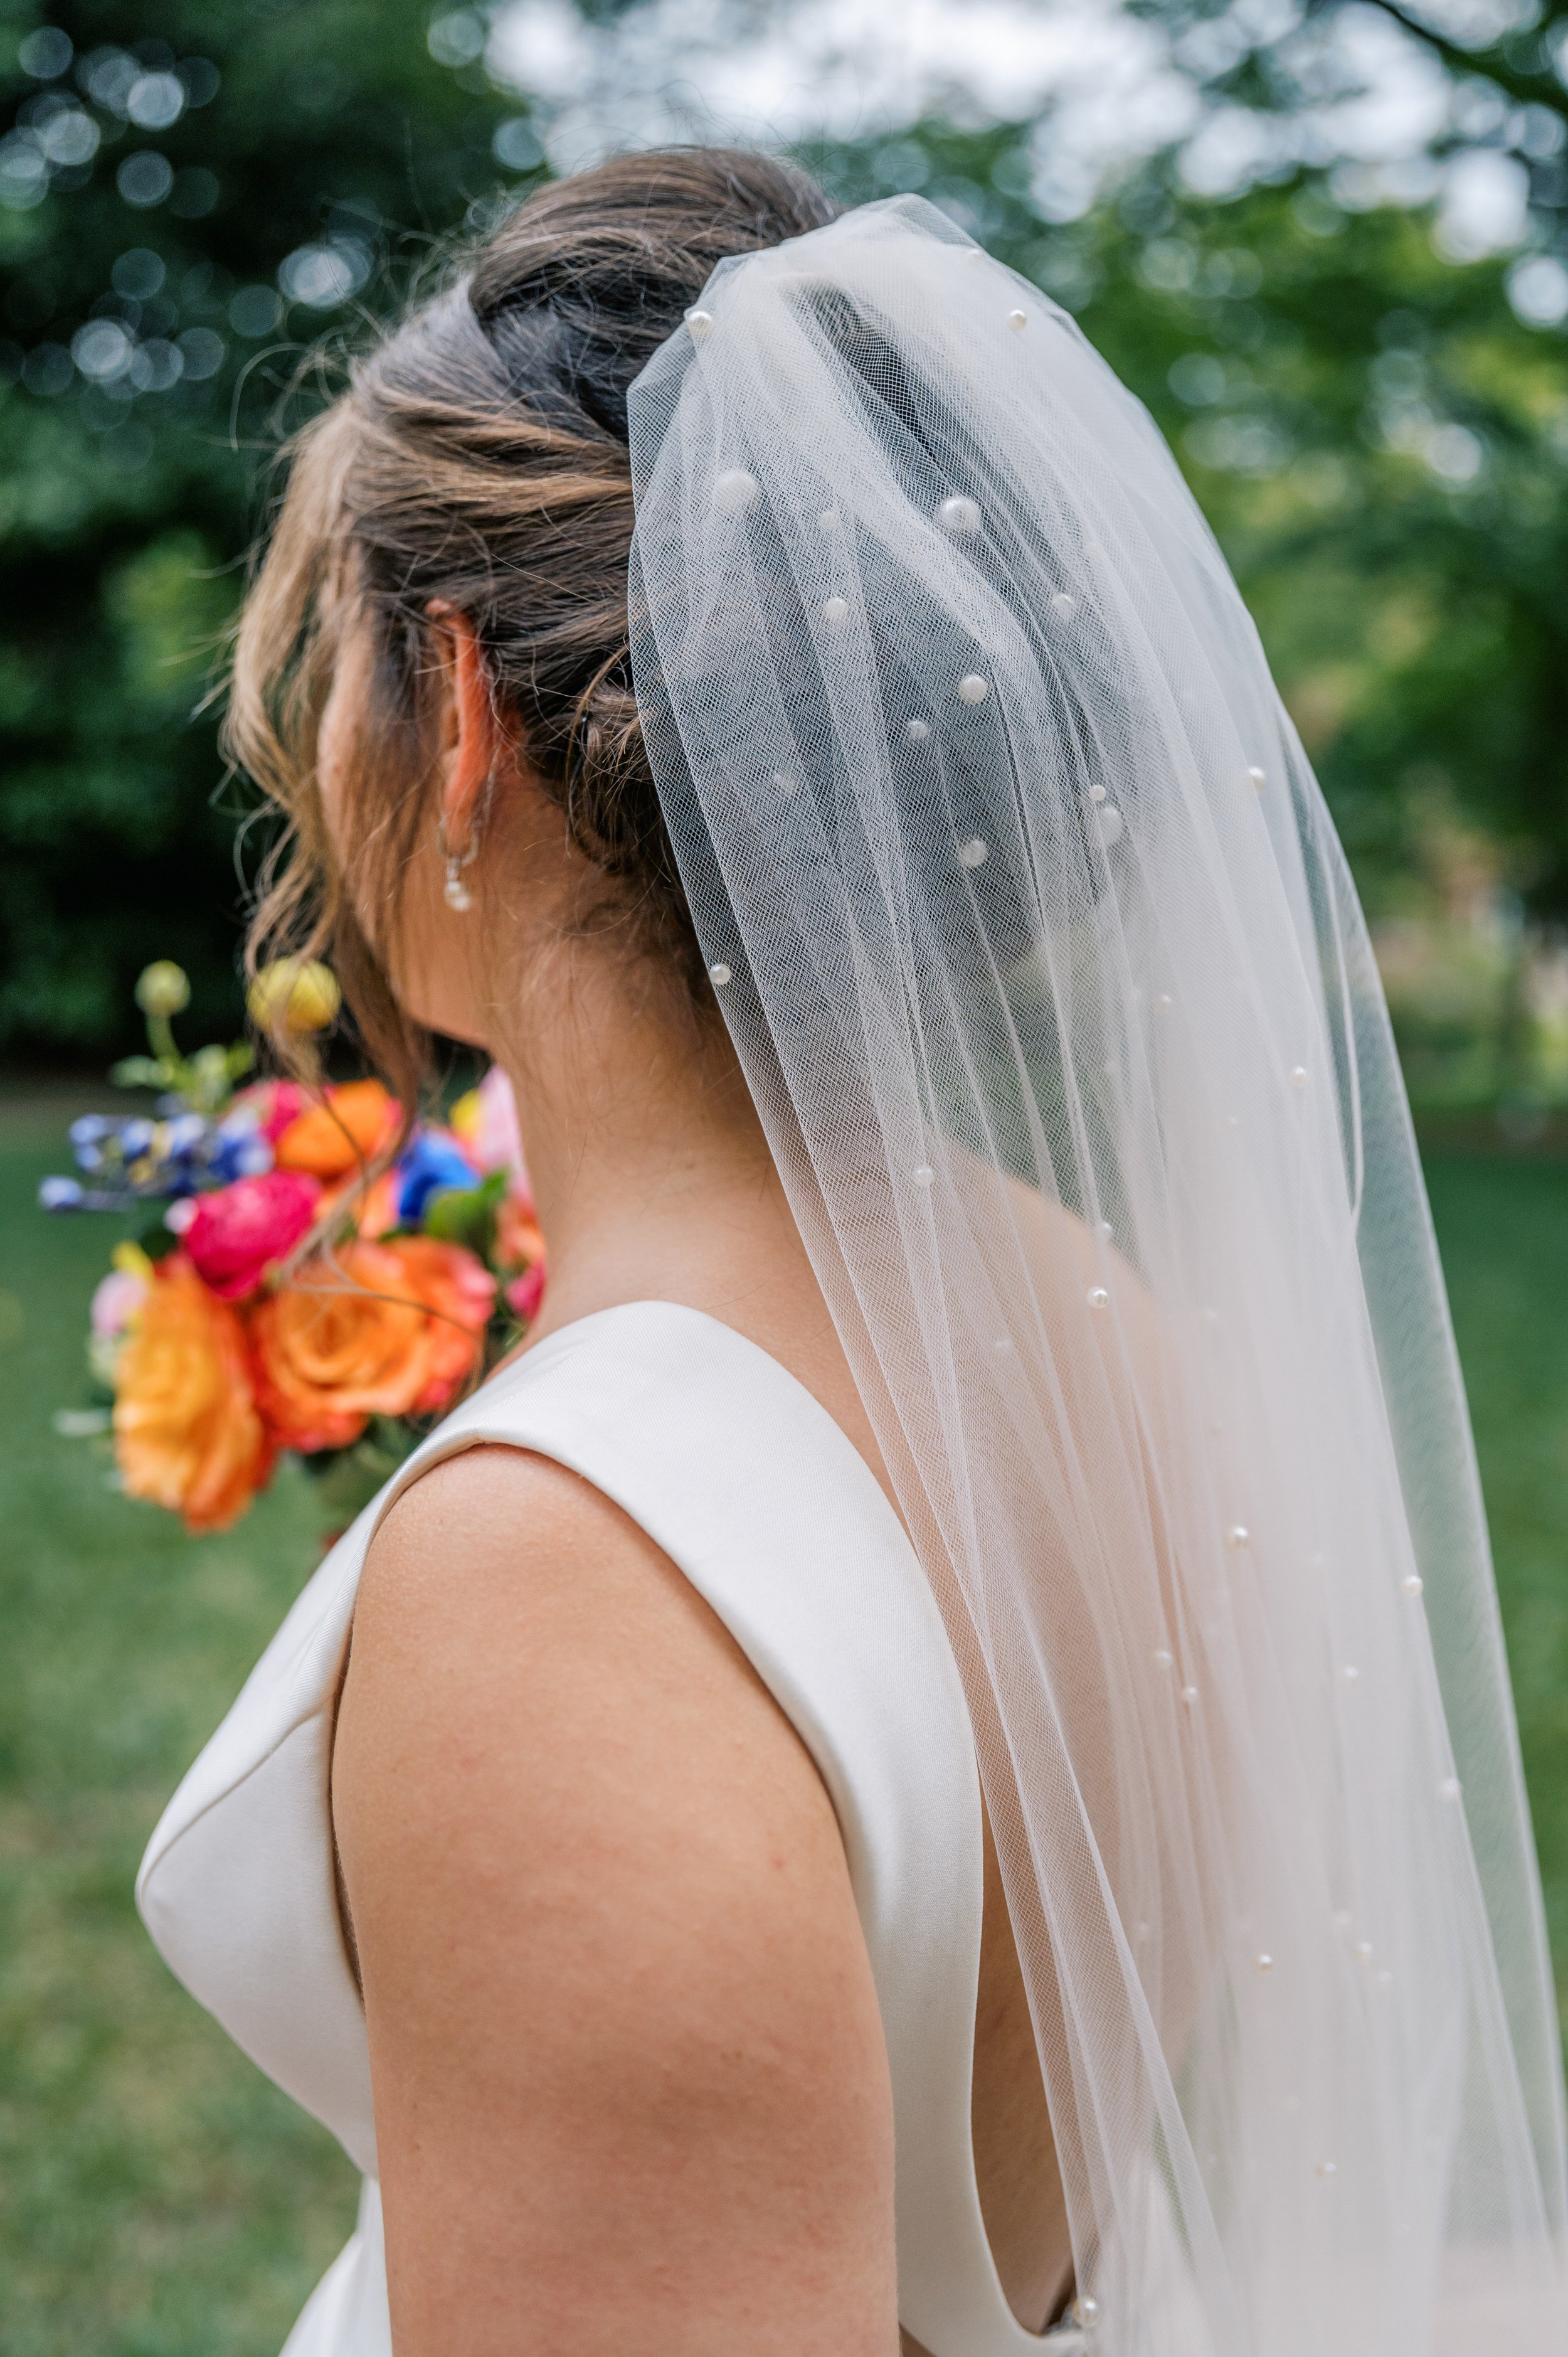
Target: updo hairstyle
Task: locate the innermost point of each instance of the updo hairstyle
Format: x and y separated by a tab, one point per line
478	456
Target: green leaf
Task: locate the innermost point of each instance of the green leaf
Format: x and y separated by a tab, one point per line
466	1215
140	1072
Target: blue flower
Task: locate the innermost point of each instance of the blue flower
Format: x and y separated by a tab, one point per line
87	1135
241	1158
429	1165
60	1194
238	1148
186	1131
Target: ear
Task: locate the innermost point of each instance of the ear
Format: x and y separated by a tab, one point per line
473	740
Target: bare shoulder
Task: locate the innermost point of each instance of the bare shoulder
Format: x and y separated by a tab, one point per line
1066	1258
629	2074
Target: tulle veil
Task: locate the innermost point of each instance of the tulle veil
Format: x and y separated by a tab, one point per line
1042	959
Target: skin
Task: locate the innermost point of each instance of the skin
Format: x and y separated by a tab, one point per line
630	2087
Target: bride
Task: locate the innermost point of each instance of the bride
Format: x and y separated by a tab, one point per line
931	1763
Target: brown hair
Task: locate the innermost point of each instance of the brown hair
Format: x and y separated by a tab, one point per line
478	456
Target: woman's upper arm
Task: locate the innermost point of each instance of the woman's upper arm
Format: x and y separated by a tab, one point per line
631	2088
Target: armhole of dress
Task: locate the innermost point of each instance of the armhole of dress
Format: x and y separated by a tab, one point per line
334	1703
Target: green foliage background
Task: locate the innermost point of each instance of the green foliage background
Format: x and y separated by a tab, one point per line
1418	627
124	524
1300	356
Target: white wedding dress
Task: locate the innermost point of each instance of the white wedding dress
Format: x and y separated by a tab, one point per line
749	1487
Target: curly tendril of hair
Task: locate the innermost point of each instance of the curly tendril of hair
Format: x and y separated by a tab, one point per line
478	456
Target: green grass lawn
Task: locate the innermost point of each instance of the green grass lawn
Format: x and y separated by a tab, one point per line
161	2199
1503	1224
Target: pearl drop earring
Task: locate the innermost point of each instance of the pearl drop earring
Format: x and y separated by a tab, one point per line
454	891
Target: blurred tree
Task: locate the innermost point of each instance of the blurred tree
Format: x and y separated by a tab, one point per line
188	199
1284	84
190	195
1516	47
1381	444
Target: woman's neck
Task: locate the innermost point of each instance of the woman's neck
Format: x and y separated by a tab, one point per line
650	1168
654	1182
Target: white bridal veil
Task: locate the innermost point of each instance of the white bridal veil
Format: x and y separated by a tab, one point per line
1046	973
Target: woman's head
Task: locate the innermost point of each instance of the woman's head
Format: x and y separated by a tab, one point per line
438	631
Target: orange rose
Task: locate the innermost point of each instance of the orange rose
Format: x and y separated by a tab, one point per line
373	1209
186	1430
342	1133
377	1213
379	1330
461	1295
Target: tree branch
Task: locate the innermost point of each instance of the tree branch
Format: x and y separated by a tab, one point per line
1541	89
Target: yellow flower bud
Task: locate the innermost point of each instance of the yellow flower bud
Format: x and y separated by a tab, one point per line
162	988
295	995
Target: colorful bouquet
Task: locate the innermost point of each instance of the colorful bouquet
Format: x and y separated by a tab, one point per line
284	1285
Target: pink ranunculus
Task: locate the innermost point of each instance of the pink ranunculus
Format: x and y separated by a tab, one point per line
496	1143
275	1103
239	1232
117	1301
525	1293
